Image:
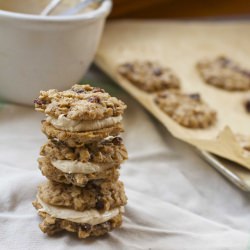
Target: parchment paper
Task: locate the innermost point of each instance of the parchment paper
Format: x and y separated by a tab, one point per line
180	45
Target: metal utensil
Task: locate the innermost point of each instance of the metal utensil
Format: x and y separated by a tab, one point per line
51	6
237	174
80	6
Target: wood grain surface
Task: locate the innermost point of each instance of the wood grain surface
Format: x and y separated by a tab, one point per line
179	8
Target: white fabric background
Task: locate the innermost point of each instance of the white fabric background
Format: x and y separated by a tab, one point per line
176	200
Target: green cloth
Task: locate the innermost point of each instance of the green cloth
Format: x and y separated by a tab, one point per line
2	103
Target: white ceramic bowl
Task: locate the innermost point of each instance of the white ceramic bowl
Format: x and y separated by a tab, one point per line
46	52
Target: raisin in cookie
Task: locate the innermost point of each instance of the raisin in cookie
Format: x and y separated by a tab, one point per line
247	105
224	73
187	110
149	76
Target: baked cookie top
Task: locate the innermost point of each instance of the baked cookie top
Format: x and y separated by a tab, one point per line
108	150
81	102
149	76
224	73
189	110
104	196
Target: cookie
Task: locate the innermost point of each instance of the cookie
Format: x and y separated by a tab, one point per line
99	195
149	76
106	172
188	110
80	103
224	73
109	150
244	142
51	224
78	139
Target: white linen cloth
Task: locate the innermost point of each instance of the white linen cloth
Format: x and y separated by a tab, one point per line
176	201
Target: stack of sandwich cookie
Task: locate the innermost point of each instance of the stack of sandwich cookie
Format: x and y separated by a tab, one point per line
81	161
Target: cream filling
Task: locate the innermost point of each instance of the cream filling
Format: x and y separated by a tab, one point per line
77	167
91	216
65	123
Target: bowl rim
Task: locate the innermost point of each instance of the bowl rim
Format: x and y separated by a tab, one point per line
104	9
